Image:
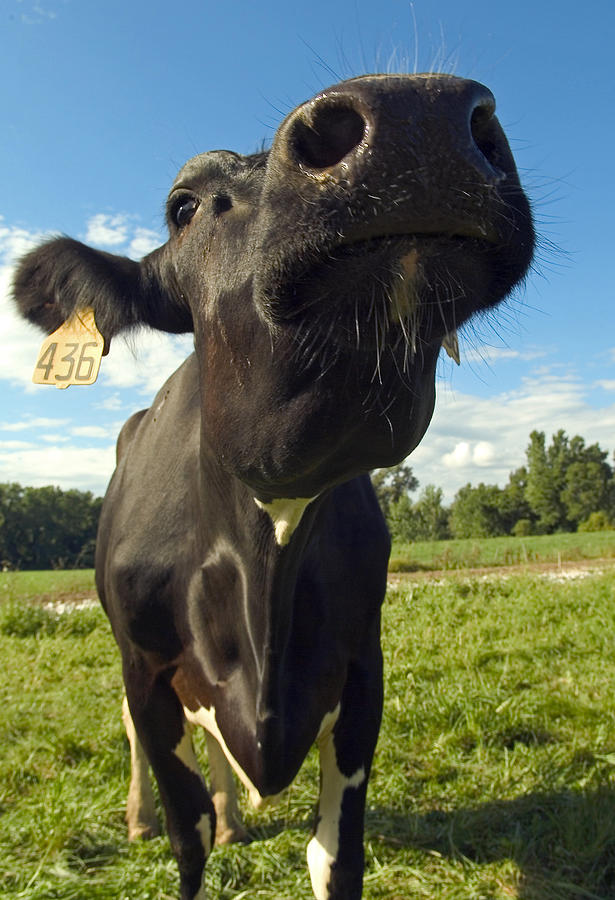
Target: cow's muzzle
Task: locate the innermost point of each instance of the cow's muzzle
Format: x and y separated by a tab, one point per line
421	154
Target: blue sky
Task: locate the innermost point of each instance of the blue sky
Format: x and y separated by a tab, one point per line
104	101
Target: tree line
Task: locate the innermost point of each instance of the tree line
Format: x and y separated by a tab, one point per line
47	528
565	485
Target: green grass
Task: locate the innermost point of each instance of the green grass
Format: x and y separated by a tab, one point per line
493	778
501	551
39	586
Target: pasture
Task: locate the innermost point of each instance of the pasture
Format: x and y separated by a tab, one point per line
494	775
502	551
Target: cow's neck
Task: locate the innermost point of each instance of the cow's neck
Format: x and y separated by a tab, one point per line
254	581
252	556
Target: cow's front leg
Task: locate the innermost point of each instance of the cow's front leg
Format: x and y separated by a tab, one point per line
165	735
335	853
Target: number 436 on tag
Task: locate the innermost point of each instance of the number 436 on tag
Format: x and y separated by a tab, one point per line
72	354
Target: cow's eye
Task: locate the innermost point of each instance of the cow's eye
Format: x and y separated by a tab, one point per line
183	210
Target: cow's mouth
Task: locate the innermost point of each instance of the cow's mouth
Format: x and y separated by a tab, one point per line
350	271
383	305
358	246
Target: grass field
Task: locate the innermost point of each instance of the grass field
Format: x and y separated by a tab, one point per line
501	551
493	778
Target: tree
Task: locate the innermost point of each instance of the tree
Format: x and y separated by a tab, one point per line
513	504
475	512
567	481
393	484
425	520
43	528
431	515
597	521
545	481
13	541
586	487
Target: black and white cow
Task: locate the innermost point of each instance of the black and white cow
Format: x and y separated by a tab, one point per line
241	554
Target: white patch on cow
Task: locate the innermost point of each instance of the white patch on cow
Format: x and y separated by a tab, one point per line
185	752
328	723
140	807
323	848
206	718
229	827
203	826
285	515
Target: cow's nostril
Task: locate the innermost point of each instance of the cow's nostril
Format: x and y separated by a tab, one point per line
334	131
484	129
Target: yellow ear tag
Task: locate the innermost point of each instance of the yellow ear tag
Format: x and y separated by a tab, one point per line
72	354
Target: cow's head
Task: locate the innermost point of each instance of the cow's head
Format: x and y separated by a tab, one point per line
320	277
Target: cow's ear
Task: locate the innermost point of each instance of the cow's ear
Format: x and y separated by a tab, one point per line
62	276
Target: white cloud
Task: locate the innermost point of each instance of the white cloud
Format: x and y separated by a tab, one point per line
606	384
145	360
465	454
32	422
473	439
16	445
107	230
15	241
92	431
484	353
20	340
144	241
112	403
54	438
483	453
459	456
84	468
36	14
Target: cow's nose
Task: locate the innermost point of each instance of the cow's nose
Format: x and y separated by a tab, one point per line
411	115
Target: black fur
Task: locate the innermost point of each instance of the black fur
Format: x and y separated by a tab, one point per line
319	280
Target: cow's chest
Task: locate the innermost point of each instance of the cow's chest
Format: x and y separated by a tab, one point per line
263	685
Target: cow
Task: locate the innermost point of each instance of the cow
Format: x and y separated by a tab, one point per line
242	555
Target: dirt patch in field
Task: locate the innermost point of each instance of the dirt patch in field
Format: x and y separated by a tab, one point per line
564	571
67	598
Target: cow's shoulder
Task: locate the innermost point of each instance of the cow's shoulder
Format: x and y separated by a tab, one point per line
147	522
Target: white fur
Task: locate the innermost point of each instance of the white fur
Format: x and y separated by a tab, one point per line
207	719
140	807
323	848
285	515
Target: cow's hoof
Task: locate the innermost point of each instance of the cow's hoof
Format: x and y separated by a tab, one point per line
236	834
143	831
